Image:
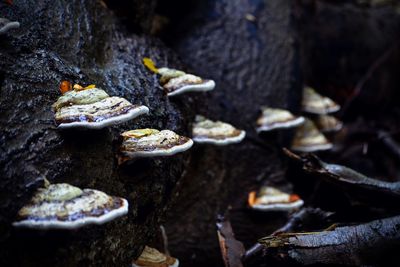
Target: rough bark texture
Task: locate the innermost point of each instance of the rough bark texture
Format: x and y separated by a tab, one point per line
254	63
372	244
80	41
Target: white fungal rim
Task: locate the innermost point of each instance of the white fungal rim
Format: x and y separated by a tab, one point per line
131	114
313	148
55	224
176	264
202	87
10	25
281	125
160	152
279	206
220	142
324	111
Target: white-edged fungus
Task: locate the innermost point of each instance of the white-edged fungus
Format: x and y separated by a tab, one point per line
6	25
271	199
176	82
327	123
309	139
151	257
316	103
215	132
96	115
63	206
274	118
152	143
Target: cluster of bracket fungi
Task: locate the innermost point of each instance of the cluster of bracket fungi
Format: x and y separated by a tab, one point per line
308	137
64	206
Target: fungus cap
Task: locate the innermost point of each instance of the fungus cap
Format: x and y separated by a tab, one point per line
151	257
106	112
327	123
187	83
309	139
6	25
316	103
62	206
272	199
152	143
215	132
273	118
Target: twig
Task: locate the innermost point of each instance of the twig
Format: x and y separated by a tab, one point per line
296	219
362	187
373	243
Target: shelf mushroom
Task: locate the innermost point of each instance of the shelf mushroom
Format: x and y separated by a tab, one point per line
6	25
63	206
316	103
274	118
272	199
152	143
309	139
215	132
176	82
151	257
327	123
93	108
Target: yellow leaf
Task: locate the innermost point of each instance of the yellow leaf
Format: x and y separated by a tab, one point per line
91	86
150	64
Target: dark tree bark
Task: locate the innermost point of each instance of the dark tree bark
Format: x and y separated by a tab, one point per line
249	49
80	41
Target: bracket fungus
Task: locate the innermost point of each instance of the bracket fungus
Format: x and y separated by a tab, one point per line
309	139
273	118
327	123
63	206
6	25
215	132
151	257
152	143
316	103
176	82
271	199
93	108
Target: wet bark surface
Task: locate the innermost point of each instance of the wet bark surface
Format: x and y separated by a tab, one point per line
249	49
83	42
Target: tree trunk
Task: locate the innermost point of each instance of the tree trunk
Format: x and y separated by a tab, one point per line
84	42
249	49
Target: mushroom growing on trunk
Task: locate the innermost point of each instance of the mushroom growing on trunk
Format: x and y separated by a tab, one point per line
93	108
274	118
176	82
152	143
151	257
63	206
309	139
216	132
271	199
316	103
